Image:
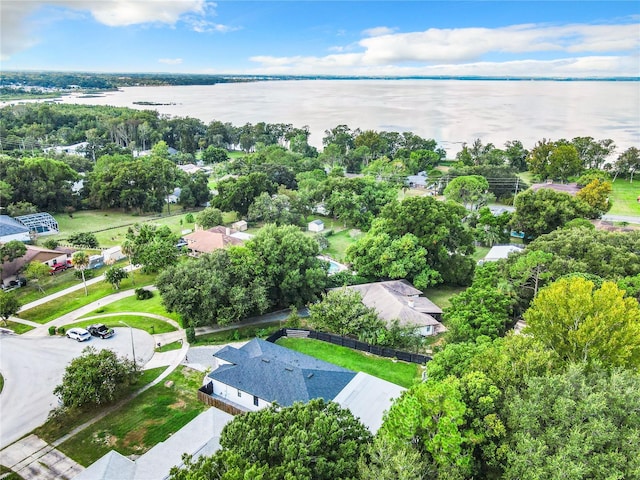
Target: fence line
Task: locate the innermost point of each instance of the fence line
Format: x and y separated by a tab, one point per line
350	343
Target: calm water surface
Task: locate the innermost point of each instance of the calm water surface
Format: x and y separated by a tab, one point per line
450	111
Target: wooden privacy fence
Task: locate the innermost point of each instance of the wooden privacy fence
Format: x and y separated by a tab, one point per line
350	343
205	395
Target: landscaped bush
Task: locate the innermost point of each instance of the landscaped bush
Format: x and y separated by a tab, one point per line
143	294
87	274
61	330
52	330
191	334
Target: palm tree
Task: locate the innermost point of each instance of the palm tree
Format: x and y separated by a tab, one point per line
80	260
128	248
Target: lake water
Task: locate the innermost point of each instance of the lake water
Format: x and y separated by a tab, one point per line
450	111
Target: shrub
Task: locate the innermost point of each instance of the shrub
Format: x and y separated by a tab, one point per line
189	218
61	330
87	274
52	330
143	294
191	334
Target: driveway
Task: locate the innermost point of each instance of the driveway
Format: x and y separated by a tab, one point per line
33	366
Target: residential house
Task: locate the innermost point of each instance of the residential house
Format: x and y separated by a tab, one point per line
34	254
399	300
75	149
206	241
570	188
260	374
417	181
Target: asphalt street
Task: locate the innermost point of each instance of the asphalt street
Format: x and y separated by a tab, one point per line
33	366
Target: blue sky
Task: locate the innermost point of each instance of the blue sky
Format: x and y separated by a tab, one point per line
544	38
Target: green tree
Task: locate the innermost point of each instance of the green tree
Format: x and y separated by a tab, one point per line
9	306
219	288
237	194
214	154
12	250
209	217
289	265
627	163
37	272
96	378
593	153
471	191
575	424
80	261
275	209
128	248
563	162
114	275
153	247
21	208
341	311
481	310
580	323
435	227
84	240
542	211
596	194
386	460
430	416
312	441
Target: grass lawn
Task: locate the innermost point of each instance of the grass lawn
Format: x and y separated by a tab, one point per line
480	253
170	346
147	420
132	304
10	474
237	334
74	300
625	197
400	373
18	328
338	243
441	295
148	324
55	428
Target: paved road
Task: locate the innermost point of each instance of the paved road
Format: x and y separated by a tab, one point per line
33	366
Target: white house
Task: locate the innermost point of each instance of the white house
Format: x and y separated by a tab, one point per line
316	226
260	373
113	254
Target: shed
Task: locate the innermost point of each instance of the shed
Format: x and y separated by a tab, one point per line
113	254
316	226
240	225
498	252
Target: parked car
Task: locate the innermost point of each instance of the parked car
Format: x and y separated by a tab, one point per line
100	330
13	284
79	334
58	267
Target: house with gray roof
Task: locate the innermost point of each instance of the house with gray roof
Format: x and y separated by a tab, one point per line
261	373
399	300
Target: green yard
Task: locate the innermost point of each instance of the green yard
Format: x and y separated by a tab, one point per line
441	295
338	243
55	428
400	373
147	420
132	304
237	334
624	198
72	301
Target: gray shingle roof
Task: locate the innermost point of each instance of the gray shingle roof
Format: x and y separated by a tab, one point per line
277	374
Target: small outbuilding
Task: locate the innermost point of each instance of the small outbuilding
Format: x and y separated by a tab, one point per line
498	252
240	226
316	226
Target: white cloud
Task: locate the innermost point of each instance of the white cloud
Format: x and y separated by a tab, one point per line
466	51
170	61
17	31
377	31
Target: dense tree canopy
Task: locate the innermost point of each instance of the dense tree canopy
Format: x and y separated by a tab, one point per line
96	378
422	227
219	288
580	323
312	441
542	211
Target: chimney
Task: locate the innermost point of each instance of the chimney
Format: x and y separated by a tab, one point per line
411	302
228	231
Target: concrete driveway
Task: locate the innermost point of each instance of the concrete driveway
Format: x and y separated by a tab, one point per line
33	366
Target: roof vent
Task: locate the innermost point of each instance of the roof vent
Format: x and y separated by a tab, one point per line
288	369
310	375
265	360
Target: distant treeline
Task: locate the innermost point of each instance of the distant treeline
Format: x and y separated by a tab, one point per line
107	81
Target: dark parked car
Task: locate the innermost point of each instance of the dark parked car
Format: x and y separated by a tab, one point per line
100	330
